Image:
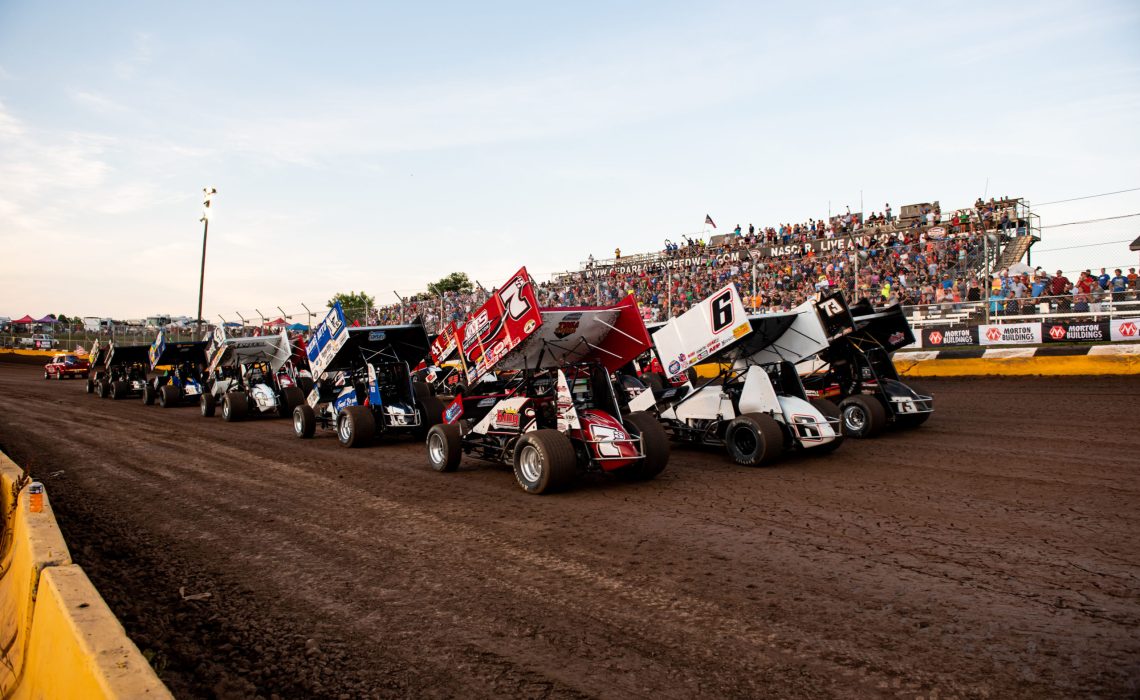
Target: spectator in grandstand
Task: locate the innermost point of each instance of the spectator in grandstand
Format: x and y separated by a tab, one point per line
1119	286
1103	279
1133	279
617	253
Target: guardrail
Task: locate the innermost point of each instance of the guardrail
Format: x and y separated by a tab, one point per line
58	638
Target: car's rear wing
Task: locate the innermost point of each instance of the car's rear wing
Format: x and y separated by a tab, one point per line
98	354
445	344
611	336
164	353
887	327
335	346
273	349
119	355
718	330
703	332
499	326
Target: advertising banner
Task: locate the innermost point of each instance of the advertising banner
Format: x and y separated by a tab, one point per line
1125	328
1074	332
934	337
1010	334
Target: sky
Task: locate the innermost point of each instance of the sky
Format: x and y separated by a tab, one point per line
381	146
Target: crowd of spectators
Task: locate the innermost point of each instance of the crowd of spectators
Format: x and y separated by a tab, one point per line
926	258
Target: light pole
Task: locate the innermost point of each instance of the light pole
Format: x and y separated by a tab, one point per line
207	194
310	312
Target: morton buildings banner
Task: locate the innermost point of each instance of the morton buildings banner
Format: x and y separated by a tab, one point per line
1010	334
1074	332
945	337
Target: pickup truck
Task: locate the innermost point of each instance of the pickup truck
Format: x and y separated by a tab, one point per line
40	341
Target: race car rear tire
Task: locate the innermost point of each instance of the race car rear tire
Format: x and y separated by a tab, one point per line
431	413
863	416
90	386
655	444
304	421
754	439
119	390
235	406
306	384
545	461
444	447
293	397
207	404
356	426
103	388
168	395
148	394
829	410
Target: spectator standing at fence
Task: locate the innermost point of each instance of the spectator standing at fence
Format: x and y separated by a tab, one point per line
1119	285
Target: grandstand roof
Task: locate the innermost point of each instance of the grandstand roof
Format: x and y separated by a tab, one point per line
1134	245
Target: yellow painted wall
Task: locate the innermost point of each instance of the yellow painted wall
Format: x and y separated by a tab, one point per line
62	640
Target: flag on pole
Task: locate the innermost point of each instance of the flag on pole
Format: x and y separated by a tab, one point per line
709	221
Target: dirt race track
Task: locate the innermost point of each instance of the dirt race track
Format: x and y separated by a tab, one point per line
995	552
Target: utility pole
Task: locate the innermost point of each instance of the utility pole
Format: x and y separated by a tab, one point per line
207	194
310	312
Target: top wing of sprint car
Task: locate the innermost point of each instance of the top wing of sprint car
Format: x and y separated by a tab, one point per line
164	353
273	349
721	331
335	346
510	332
118	355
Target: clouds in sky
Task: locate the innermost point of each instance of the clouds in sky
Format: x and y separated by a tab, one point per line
381	148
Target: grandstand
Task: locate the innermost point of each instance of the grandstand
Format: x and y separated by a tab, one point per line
934	263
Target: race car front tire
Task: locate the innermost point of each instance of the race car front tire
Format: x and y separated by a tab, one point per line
148	394
304	421
167	395
235	406
103	388
119	390
356	426
207	404
90	386
545	461
655	446
443	446
863	416
754	439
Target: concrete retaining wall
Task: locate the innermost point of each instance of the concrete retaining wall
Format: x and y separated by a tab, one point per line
58	638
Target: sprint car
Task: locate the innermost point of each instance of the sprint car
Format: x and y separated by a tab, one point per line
124	373
364	387
554	413
441	373
182	380
66	366
856	369
96	363
755	407
251	375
